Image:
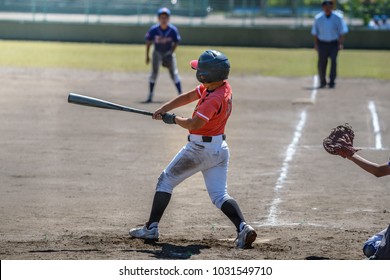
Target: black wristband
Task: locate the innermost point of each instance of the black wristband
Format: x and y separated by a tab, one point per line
169	118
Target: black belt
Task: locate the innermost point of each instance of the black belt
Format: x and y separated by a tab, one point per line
328	42
207	139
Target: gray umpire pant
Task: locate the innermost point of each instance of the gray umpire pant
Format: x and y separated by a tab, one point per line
156	63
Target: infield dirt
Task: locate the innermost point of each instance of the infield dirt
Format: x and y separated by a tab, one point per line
75	179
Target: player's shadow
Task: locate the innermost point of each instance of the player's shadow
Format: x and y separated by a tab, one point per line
170	251
316	258
152	102
311	88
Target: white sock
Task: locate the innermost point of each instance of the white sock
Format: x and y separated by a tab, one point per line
242	225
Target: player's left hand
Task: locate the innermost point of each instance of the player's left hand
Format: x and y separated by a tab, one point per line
167	60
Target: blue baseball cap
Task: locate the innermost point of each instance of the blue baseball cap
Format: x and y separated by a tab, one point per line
164	10
326	3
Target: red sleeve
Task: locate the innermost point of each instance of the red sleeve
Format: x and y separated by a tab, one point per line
208	108
200	89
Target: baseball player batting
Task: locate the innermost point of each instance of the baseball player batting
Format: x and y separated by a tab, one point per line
206	150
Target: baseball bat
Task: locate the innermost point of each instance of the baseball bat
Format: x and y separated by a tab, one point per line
99	103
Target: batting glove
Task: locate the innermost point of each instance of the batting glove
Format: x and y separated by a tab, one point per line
169	118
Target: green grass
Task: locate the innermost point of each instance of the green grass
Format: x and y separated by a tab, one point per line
244	61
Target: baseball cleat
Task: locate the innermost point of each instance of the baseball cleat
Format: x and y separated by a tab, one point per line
144	233
245	238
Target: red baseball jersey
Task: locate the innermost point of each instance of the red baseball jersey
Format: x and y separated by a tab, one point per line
214	107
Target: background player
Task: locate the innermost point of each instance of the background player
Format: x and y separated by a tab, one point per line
206	151
165	38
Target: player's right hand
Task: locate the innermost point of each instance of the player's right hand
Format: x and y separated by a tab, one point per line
147	60
157	115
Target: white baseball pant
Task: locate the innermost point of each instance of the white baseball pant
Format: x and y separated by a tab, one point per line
211	158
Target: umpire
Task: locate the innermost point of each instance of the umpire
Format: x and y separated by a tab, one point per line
328	31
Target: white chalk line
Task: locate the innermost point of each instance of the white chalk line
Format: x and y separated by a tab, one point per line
313	95
290	152
375	124
289	155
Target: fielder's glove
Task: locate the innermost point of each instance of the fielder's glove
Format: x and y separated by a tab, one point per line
169	118
167	60
340	141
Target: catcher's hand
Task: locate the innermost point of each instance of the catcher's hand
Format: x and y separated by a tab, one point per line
167	60
340	141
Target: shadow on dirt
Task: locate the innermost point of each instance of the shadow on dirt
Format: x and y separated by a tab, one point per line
169	251
316	258
63	250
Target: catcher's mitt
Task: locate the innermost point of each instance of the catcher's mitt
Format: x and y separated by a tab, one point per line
340	141
167	60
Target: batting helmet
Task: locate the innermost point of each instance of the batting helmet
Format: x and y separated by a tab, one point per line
212	66
163	11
